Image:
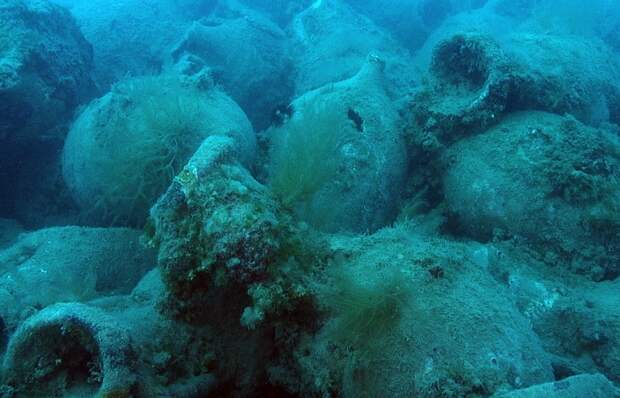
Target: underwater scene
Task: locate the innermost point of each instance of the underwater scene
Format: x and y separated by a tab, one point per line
310	198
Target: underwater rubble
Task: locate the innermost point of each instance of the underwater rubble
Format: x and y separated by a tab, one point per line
45	74
242	198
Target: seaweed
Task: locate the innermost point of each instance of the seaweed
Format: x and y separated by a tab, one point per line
142	149
305	153
364	310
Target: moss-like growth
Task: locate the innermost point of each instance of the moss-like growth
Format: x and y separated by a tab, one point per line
364	313
153	142
152	128
364	309
305	153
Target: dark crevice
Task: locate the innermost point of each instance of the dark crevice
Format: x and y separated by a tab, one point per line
281	113
3	335
356	119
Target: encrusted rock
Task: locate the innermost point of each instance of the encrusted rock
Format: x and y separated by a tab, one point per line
468	89
476	79
68	264
131	37
332	42
542	177
45	66
258	77
215	226
223	240
68	346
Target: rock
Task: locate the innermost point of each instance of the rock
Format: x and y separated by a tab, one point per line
410	22
68	264
469	89
599	335
589	385
220	233
279	11
131	37
457	332
354	126
69	348
125	147
173	359
332	42
42	199
248	55
478	73
580	329
45	66
588	87
215	225
546	178
9	231
195	387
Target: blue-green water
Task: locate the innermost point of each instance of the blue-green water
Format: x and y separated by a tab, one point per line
329	198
